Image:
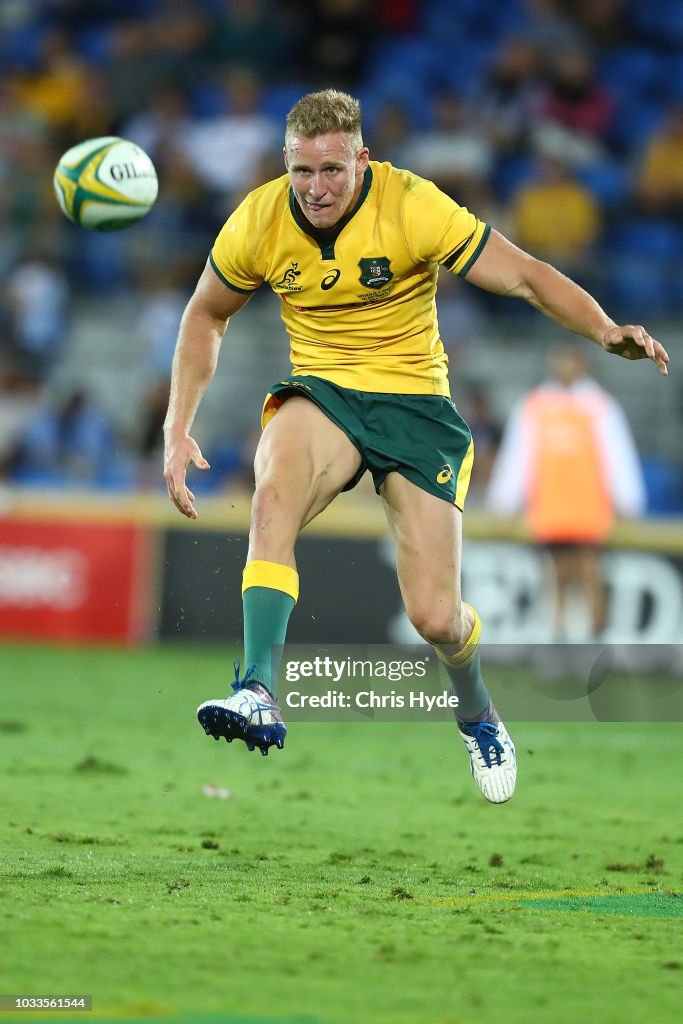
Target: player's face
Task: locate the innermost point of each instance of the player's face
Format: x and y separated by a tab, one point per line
326	173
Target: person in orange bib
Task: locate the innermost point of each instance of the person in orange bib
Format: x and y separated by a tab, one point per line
568	460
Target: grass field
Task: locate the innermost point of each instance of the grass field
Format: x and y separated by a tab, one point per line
356	877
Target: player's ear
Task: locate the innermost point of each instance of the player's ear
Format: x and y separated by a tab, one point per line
285	157
362	158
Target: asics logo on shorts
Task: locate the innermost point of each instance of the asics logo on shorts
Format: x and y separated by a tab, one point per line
444	475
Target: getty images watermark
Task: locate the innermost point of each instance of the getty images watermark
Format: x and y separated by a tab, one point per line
369	678
547	683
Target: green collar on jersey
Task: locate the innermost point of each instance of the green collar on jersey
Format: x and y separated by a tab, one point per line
326	237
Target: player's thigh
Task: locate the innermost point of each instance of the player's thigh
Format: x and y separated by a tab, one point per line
428	535
304	455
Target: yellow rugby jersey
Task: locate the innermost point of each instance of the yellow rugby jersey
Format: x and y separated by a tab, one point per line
358	299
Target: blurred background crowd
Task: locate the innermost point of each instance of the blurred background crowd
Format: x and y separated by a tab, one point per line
560	122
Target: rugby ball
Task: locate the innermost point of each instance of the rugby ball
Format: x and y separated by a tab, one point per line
105	184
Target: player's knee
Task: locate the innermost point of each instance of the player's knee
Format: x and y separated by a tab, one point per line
437	624
275	524
279	503
268	501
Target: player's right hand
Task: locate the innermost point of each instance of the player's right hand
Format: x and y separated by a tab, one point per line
631	341
178	454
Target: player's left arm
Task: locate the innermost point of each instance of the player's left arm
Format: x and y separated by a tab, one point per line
506	270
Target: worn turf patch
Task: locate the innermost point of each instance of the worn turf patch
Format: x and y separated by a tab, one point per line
634	903
639	904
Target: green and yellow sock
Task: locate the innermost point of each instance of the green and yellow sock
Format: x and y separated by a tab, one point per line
269	593
464	670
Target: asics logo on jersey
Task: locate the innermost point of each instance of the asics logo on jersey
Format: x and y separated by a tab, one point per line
444	475
330	280
288	279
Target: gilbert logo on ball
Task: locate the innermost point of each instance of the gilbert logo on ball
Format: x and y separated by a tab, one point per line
105	184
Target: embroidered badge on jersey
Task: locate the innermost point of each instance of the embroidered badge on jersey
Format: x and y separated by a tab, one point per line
374	272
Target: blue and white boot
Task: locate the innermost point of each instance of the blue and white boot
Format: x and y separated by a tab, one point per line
251	714
492	757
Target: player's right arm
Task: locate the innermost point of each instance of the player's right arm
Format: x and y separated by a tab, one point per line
506	270
201	331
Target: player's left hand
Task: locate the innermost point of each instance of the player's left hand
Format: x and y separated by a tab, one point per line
633	342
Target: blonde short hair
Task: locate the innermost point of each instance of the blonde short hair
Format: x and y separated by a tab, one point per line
329	110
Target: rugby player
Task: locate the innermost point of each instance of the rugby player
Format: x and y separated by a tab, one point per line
352	247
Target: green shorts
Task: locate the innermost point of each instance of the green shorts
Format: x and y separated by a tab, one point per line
422	437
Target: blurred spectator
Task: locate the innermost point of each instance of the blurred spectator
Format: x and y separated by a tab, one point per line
454	154
398	15
605	22
575	113
460	317
391	137
271	165
163	122
555	216
17	120
27	205
337	41
147	443
177	238
29	215
223	149
256	35
62	92
146	50
486	433
185	214
184	218
573	96
20	398
38	299
508	95
54	88
548	24
96	117
659	188
161	306
100	261
232	464
73	443
568	461
80	14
